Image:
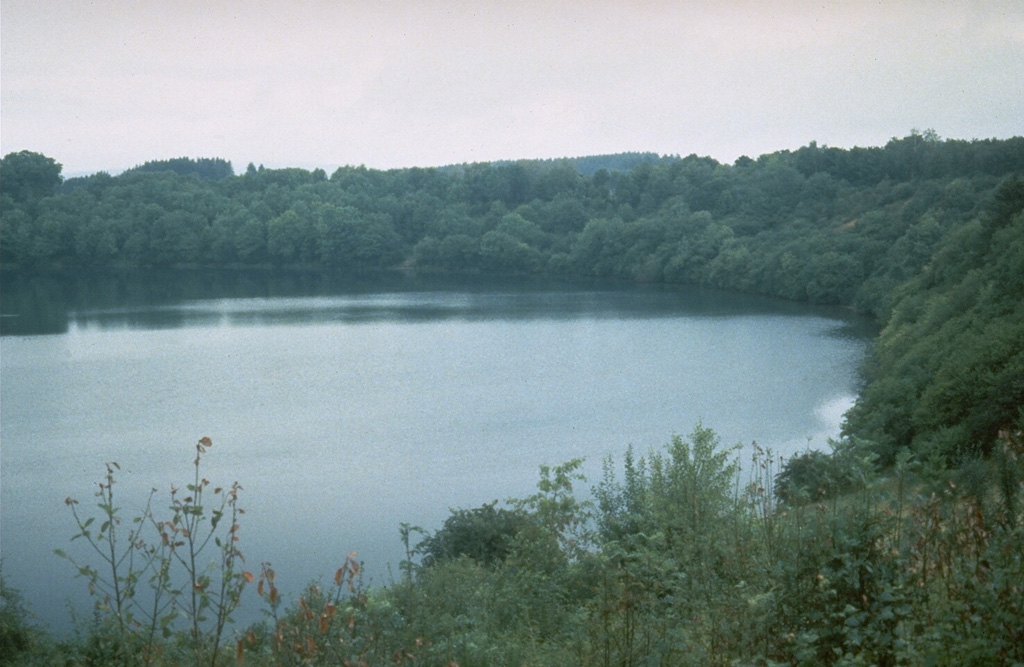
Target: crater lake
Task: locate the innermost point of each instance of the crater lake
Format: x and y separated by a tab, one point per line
346	406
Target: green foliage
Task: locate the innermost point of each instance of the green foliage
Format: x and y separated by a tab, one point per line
671	565
557	515
206	169
807	476
484	534
815	475
26	177
668	569
18	637
948	367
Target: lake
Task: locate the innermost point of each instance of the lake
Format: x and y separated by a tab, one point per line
347	406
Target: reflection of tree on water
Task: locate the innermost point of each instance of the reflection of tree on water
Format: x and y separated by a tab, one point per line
32	306
163	299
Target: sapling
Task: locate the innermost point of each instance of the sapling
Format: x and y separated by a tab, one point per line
180	583
115	583
189	532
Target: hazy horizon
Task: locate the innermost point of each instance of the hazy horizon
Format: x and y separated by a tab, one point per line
105	86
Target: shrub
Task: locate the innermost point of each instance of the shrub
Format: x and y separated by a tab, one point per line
484	534
16	633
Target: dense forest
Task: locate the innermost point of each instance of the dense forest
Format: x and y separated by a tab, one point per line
904	545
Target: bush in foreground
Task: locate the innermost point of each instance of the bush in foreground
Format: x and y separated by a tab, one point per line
676	563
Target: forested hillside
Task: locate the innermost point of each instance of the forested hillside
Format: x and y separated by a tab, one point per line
947	372
819	224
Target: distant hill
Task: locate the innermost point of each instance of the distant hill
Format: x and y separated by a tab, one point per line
205	169
586	165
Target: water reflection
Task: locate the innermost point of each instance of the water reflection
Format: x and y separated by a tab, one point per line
178	299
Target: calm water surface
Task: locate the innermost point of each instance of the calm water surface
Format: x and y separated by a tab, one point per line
346	408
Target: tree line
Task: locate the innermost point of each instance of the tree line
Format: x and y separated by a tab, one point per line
820	224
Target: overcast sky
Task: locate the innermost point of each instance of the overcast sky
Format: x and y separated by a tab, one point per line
106	85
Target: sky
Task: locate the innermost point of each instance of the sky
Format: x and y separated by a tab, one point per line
108	85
